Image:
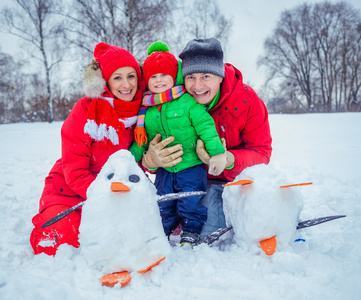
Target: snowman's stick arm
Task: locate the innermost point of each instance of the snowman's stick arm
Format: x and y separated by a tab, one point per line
163	198
212	237
61	215
175	196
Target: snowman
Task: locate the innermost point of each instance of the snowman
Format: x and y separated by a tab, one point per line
262	210
121	229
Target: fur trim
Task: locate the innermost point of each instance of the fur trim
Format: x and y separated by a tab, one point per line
93	81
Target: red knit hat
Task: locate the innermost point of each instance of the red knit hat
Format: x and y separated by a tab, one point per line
111	58
160	61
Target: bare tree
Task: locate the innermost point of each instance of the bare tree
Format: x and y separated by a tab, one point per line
350	51
327	45
317	46
131	24
33	22
289	51
198	20
15	89
335	38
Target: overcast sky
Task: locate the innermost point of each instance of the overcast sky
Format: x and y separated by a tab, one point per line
253	21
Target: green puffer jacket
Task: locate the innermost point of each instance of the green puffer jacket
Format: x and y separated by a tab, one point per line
187	121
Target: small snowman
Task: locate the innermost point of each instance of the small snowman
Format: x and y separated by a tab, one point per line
121	229
261	209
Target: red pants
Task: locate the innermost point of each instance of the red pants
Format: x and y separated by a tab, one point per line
47	240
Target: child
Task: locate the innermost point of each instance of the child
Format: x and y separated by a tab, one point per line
169	110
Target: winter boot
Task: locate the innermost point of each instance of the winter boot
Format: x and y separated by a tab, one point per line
189	238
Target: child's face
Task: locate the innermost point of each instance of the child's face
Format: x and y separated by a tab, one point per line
159	83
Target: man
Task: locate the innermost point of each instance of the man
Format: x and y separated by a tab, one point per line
240	116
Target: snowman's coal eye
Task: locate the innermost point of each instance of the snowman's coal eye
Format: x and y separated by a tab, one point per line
134	178
110	176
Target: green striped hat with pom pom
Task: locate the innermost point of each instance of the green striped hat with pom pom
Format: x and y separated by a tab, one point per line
159	60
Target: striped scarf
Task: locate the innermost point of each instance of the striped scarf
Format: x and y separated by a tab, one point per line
150	99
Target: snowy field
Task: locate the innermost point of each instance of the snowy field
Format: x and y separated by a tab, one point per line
323	148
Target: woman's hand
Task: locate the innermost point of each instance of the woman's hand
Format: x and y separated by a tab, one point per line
160	156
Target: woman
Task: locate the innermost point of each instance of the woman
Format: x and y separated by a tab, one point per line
99	125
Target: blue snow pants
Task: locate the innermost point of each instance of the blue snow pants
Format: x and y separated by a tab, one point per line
190	212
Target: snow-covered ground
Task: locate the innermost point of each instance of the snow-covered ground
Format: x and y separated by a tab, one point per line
323	148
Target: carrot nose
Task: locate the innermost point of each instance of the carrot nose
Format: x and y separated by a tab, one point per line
119	187
239	182
269	245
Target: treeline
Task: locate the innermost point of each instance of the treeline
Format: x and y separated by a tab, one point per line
59	38
313	59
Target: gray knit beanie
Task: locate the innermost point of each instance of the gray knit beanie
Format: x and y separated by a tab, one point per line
202	56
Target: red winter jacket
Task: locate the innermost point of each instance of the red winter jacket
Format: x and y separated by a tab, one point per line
81	160
242	119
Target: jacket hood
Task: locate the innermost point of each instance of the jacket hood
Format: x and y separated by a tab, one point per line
232	77
93	81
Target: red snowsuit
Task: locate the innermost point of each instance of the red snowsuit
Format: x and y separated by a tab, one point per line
242	119
81	160
66	185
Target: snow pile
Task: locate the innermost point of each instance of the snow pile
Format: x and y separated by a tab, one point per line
261	209
122	230
322	148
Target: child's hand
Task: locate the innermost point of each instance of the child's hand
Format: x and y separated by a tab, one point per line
229	155
217	163
205	158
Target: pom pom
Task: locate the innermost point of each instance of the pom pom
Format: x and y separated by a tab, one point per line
157	46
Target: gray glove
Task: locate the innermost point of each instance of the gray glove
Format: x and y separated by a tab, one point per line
160	156
204	156
217	163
